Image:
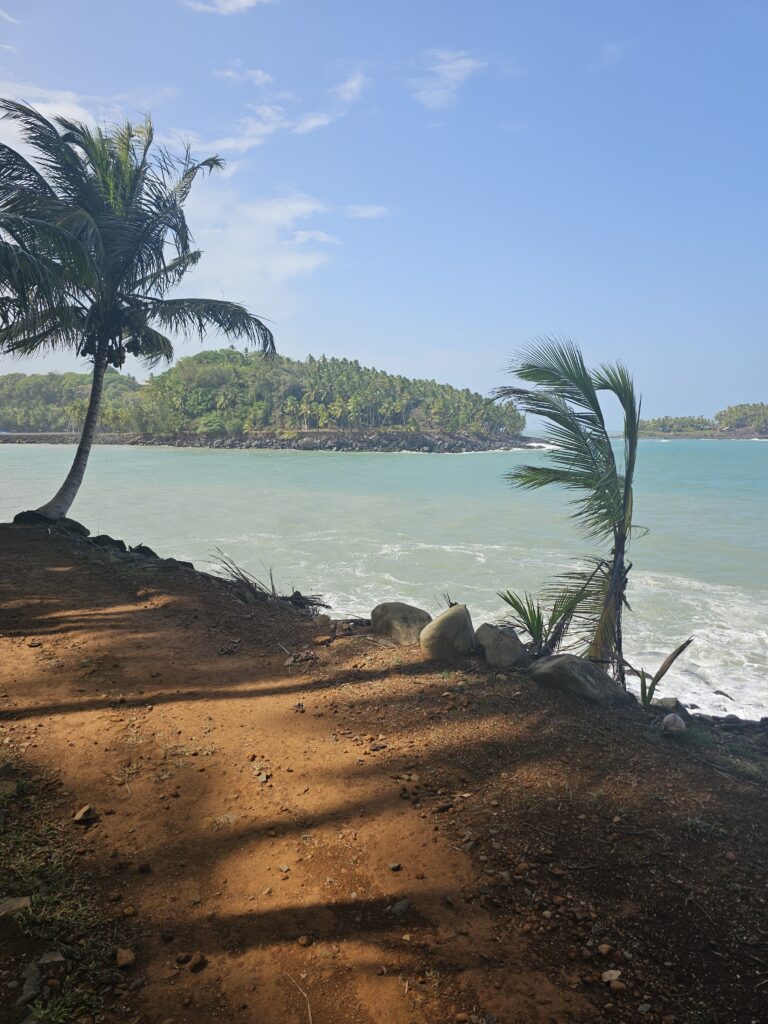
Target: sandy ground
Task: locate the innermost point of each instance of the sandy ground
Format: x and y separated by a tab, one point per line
362	837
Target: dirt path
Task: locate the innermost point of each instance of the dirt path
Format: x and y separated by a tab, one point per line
358	838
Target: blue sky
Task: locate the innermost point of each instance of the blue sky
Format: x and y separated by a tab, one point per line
426	185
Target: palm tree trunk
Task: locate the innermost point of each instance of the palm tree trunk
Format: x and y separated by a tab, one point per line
61	502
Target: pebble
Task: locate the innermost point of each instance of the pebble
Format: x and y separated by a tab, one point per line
125	958
197	963
395	866
304	940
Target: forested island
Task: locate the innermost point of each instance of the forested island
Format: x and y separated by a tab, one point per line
233	397
748	420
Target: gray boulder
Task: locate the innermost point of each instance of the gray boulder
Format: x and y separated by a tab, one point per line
450	636
673	725
580	677
501	648
672	705
402	622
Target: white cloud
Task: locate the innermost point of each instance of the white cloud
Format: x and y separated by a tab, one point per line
223	6
4	16
9	49
302	237
311	122
351	89
369	211
237	73
251	131
448	69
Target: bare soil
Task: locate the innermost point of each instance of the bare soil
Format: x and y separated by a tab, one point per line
361	836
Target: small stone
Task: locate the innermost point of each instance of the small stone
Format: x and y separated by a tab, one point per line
183	958
731	857
125	958
644	1008
609	976
395	866
673	724
197	963
617	987
11	905
461	1018
86	815
53	959
304	940
604	949
400	908
32	981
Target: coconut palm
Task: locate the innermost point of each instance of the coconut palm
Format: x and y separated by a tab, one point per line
566	395
93	237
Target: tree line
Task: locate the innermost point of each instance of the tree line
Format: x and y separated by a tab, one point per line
747	417
231	393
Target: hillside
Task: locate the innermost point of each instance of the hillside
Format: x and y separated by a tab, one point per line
350	834
228	393
748	420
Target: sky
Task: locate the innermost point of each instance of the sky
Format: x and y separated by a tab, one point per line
429	185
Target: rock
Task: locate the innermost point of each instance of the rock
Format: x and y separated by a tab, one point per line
73	526
673	725
450	636
125	958
32	518
11	905
86	815
103	540
402	622
672	704
143	549
395	866
304	940
400	909
604	949
198	963
501	648
32	982
53	959
609	976
580	677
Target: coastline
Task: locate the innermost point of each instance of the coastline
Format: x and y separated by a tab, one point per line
375	440
703	435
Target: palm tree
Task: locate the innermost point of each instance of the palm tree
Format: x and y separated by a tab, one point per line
566	395
93	237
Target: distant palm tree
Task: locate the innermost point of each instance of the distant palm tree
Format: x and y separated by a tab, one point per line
566	396
93	237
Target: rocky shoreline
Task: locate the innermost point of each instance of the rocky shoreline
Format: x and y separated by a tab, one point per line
443	442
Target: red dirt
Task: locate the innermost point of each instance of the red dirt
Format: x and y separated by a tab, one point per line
527	828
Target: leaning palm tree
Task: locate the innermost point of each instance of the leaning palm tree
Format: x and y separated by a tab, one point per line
566	395
93	238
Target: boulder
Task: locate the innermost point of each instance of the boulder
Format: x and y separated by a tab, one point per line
34	518
672	705
501	648
673	724
402	622
105	541
145	550
580	677
450	636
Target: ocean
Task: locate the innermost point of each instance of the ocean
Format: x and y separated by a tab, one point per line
370	527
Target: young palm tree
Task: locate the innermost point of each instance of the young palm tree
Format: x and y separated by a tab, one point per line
93	237
566	396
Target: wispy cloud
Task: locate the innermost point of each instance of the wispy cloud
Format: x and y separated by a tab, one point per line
236	72
5	16
447	70
351	89
10	49
223	6
366	211
311	122
302	237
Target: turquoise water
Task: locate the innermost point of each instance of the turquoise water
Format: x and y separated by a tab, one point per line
362	528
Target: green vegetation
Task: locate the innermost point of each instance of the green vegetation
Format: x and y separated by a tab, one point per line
566	395
92	240
230	393
546	629
751	419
